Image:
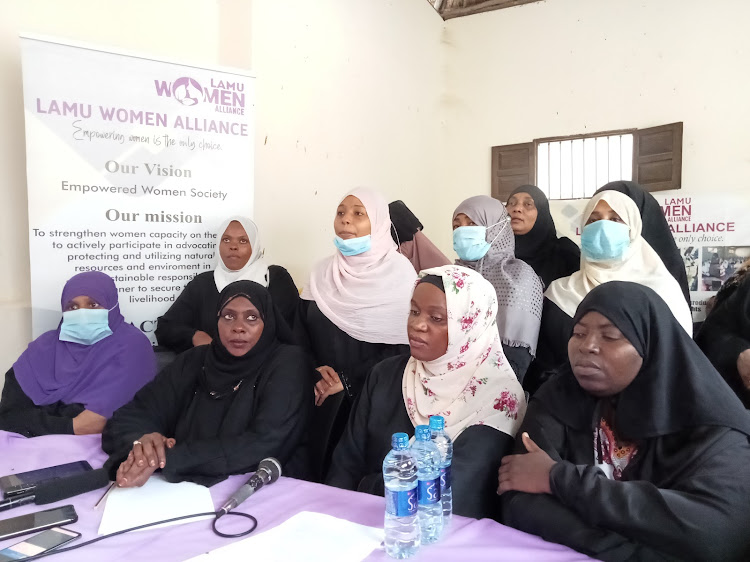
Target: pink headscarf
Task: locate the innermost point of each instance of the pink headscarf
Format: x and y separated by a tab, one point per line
367	295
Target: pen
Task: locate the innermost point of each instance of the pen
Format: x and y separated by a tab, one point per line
109	489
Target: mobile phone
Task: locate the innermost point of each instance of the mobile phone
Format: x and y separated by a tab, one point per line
44	541
14	485
39	521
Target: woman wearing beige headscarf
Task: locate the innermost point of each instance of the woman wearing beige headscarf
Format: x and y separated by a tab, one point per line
612	249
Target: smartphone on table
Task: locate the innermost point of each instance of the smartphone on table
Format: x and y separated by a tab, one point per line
39	521
44	541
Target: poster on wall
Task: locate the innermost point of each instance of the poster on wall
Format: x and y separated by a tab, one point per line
712	235
132	164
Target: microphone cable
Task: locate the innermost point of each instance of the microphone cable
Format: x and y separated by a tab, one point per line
217	515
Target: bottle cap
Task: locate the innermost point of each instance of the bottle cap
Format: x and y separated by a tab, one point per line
437	423
400	441
423	433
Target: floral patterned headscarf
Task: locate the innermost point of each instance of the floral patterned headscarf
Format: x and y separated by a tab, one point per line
472	384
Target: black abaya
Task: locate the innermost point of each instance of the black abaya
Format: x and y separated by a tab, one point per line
726	333
550	257
380	412
351	359
19	414
195	308
552	349
684	495
226	413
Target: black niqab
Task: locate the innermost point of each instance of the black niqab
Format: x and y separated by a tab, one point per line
655	229
676	389
550	257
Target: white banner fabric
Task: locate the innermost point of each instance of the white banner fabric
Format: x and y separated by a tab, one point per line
132	163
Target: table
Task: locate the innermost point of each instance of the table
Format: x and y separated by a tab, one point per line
467	539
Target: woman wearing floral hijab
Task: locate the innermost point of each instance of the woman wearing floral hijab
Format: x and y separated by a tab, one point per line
456	370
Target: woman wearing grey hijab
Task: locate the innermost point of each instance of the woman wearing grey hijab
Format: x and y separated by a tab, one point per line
484	242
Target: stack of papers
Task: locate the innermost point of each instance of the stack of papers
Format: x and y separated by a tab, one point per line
156	500
308	536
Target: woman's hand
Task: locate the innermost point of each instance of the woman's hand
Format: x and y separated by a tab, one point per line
147	455
330	384
88	422
743	367
526	473
201	338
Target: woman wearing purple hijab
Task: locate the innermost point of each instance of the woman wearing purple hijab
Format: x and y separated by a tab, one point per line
70	380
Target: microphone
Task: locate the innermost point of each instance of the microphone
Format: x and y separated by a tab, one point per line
268	472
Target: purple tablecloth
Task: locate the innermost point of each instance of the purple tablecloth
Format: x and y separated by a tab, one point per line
468	539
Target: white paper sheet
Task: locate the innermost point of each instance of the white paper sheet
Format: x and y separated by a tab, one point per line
157	499
308	537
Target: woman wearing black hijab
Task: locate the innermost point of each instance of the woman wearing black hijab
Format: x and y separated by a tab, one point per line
406	231
725	335
536	239
221	408
655	229
637	450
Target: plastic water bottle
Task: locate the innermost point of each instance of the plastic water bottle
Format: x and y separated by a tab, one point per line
402	534
428	484
445	446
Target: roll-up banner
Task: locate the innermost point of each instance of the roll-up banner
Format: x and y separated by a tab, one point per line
132	164
712	234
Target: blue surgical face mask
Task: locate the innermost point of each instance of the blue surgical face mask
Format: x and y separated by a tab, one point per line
85	325
470	242
604	240
353	246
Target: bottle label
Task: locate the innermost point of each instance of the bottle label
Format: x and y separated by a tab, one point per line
429	491
401	504
445	477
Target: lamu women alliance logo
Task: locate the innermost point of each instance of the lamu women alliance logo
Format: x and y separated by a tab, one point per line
228	97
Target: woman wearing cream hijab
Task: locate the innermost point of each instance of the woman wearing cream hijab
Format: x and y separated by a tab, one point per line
612	249
191	321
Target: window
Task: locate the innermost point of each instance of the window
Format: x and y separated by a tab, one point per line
574	167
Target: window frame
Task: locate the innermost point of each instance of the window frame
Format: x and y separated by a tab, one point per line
671	160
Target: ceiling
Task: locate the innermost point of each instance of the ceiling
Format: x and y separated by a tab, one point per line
456	8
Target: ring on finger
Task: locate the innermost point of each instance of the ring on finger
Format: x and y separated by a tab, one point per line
136	442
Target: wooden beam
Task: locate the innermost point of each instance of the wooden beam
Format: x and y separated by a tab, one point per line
448	12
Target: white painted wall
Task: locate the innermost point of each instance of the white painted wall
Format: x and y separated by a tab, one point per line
348	94
575	66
